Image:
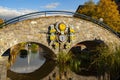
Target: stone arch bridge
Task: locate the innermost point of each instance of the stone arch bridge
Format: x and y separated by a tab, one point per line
54	30
34	27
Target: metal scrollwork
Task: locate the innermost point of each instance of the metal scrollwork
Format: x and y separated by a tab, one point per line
61	33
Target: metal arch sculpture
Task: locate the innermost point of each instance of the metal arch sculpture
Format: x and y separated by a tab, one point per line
45	13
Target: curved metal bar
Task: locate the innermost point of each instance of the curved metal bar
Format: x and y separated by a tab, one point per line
45	13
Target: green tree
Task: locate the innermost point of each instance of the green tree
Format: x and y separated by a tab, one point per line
106	9
108	61
34	48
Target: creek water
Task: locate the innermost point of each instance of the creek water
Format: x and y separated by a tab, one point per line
28	64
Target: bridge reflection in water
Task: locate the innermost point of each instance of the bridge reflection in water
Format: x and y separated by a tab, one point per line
28	64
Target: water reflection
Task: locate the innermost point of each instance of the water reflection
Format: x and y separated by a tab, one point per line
28	63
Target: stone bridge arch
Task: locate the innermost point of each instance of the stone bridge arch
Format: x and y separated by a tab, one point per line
45	54
33	27
42	48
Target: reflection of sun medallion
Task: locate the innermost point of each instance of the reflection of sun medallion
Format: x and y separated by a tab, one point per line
62	27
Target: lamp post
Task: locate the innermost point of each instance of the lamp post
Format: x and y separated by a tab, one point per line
101	19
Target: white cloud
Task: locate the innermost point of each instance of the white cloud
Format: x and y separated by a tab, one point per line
7	13
51	5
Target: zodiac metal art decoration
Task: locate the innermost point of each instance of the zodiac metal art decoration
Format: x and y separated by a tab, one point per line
61	34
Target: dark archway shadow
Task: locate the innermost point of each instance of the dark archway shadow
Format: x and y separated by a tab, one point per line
86	52
39	73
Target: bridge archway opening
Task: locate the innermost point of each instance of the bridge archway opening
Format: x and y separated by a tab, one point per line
28	59
86	52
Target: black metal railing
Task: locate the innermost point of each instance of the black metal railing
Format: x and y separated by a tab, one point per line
54	13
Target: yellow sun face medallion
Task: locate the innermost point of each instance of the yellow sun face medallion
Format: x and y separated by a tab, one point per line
62	27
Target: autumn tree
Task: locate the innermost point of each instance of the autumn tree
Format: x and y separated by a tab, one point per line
106	9
1	21
88	8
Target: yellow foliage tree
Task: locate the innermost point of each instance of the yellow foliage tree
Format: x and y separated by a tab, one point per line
88	8
106	9
1	21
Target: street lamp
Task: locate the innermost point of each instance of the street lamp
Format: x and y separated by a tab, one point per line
101	19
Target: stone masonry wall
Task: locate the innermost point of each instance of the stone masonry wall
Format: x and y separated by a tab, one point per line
33	30
3	68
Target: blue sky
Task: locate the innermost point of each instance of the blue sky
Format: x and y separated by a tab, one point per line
11	8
